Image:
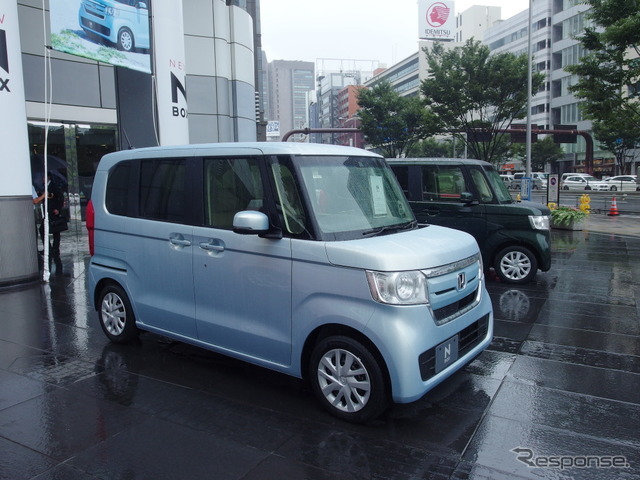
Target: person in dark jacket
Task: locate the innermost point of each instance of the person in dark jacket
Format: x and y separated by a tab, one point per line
57	223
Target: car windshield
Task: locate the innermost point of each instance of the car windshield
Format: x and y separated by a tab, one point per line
349	197
502	193
590	179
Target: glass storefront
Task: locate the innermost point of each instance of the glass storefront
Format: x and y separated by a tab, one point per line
73	153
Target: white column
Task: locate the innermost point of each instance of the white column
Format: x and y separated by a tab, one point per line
18	250
170	72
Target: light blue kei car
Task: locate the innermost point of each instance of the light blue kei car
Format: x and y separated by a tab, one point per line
301	258
125	23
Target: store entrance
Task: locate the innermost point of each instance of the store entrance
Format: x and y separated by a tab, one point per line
73	153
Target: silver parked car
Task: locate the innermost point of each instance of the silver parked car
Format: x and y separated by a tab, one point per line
584	182
623	183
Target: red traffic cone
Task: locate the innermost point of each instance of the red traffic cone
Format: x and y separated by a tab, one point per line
613	211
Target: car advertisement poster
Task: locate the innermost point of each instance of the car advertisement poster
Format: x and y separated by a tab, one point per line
116	32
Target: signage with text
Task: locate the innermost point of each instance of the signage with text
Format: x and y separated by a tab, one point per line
437	20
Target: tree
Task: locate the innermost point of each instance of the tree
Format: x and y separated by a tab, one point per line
432	148
477	94
543	151
609	77
393	123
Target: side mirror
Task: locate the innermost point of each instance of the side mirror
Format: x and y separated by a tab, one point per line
250	222
467	199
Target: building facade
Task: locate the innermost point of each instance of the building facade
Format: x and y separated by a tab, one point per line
556	24
88	99
289	84
473	22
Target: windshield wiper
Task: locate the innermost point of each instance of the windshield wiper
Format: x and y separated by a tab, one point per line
391	228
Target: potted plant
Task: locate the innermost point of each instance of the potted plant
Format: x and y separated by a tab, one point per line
567	218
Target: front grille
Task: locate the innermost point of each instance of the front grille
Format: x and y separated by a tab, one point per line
468	339
96	9
96	27
454	309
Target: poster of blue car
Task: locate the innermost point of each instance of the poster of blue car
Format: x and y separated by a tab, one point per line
110	31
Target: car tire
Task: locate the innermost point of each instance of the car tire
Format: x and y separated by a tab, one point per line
347	379
565	188
125	40
516	265
116	316
614	188
587	187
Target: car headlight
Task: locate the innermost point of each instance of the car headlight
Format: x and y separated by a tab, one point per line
112	12
398	288
539	222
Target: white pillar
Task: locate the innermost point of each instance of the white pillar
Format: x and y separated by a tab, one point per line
170	72
18	248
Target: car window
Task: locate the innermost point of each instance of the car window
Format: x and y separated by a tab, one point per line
500	189
481	185
442	183
117	188
230	186
402	174
163	190
288	200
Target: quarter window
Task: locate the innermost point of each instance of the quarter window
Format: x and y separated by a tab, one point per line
117	189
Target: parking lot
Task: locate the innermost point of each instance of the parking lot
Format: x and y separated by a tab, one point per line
556	396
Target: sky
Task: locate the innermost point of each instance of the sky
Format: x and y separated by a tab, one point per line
385	31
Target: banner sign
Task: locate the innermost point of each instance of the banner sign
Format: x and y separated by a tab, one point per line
110	31
14	139
437	20
170	73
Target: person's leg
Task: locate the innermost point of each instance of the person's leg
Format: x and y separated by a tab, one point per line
55	250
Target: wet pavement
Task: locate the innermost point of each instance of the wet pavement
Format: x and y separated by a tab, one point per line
556	396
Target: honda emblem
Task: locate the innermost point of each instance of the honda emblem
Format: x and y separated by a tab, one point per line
462	281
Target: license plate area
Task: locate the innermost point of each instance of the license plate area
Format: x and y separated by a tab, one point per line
446	353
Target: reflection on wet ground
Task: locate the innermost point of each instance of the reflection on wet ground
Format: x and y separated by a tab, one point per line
556	396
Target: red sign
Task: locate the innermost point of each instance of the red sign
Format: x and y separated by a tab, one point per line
437	14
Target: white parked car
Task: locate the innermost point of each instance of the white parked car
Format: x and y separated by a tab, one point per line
623	183
538	180
584	182
507	179
572	174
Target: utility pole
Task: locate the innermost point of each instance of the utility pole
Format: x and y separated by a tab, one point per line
529	89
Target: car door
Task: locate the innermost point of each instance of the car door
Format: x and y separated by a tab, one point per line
441	200
160	248
242	282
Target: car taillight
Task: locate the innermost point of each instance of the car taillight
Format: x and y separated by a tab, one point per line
91	217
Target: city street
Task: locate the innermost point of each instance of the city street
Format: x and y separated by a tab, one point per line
556	396
627	202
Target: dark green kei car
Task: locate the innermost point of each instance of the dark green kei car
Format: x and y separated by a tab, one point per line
469	195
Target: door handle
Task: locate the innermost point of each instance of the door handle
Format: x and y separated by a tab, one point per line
212	247
180	242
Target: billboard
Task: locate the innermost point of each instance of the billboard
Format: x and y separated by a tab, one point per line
437	20
116	32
